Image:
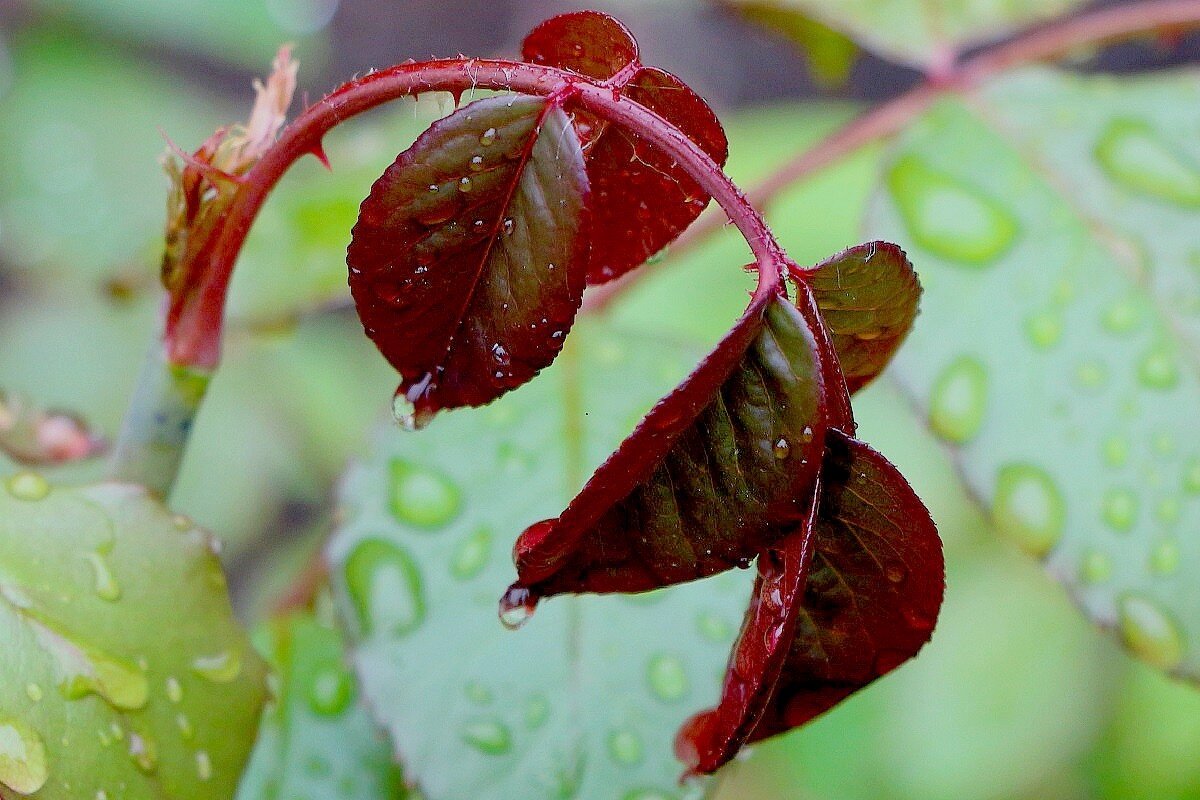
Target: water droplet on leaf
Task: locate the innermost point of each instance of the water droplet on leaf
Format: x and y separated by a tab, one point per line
488	736
667	678
1149	632
959	401
625	747
23	765
1028	508
1140	159
385	587
222	667
422	498
28	486
1120	509
471	556
330	691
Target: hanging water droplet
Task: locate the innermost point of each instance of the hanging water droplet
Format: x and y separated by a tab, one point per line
500	354
1158	370
490	737
330	691
405	413
1150	632
23	765
105	584
947	216
1119	508
174	690
781	449
1028	508
1096	567
667	678
385	587
488	137
1044	329
464	185
471	555
517	606
28	486
625	747
1165	557
1140	159
422	498
959	401
222	667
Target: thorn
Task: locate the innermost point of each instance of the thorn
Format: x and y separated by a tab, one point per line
318	151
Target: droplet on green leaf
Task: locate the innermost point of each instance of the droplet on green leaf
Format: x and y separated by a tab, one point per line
1045	328
1165	557
1159	370
421	497
1029	508
471	555
385	587
667	678
1140	159
23	765
330	691
959	400
488	736
222	667
28	486
1120	509
625	747
106	585
1097	567
1150	632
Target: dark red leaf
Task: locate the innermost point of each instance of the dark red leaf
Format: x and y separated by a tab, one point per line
642	200
468	259
715	472
871	598
868	296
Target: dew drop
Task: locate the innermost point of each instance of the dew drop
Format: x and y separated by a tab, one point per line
433	216
185	726
1150	632
120	685
1137	157
1116	451
222	667
947	216
781	449
1121	317
488	137
667	678
959	401
174	690
23	765
385	586
464	185
1158	370
144	753
330	691
1119	508
204	769
1044	329
476	163
490	737
1096	567
422	498
105	584
517	606
471	555
713	628
1165	557
1028	508
806	435
434	188
508	226
625	747
28	486
405	410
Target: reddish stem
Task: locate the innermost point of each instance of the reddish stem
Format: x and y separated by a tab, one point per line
195	319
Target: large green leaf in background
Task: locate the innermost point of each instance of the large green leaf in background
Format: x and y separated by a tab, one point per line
1053	219
585	699
126	675
919	33
317	741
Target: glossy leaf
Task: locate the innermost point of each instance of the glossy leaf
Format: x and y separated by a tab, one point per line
641	199
1067	405
820	632
920	34
584	701
868	298
717	471
467	262
109	690
317	741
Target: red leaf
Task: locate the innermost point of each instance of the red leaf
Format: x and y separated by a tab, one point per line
467	262
716	471
641	199
871	598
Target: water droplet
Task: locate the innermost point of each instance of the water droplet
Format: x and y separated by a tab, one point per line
23	766
144	753
1096	567
204	769
330	691
222	667
806	435
1191	476
1116	451
959	401
1091	375
1141	160
537	711
422	498
28	486
1119	508
625	747
405	411
1169	510
1121	317
105	584
517	606
185	726
33	692
508	226
174	690
471	555
713	628
500	354
464	185
488	137
478	693
476	163
667	678
1044	329
947	216
433	187
1165	557
1028	508
1149	632
385	587
488	736
120	685
1158	370
781	449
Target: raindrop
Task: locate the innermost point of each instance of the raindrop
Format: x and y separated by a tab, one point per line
185	726
222	667
1158	370
781	449
28	486
174	690
488	736
33	692
476	163
508	226
330	691
625	747
1119	508
422	498
143	752
1044	329
385	587
667	678
1096	567
1165	558
517	606
896	572
1140	159
120	685
1150	632
959	401
105	584
436	215
488	137
713	628
471	555
203	766
464	185
1029	508
405	411
23	766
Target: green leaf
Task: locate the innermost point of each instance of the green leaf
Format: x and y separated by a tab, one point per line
1060	354
585	699
917	33
316	740
831	55
125	672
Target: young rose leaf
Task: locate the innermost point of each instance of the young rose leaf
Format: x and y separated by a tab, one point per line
870	599
641	199
585	701
868	298
467	262
126	674
1066	241
715	472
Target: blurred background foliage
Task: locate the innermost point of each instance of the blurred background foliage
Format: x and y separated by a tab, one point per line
1017	696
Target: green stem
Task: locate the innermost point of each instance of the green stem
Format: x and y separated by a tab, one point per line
158	423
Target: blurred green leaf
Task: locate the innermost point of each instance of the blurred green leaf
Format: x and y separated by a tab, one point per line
109	690
1052	219
316	741
831	54
917	33
583	701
